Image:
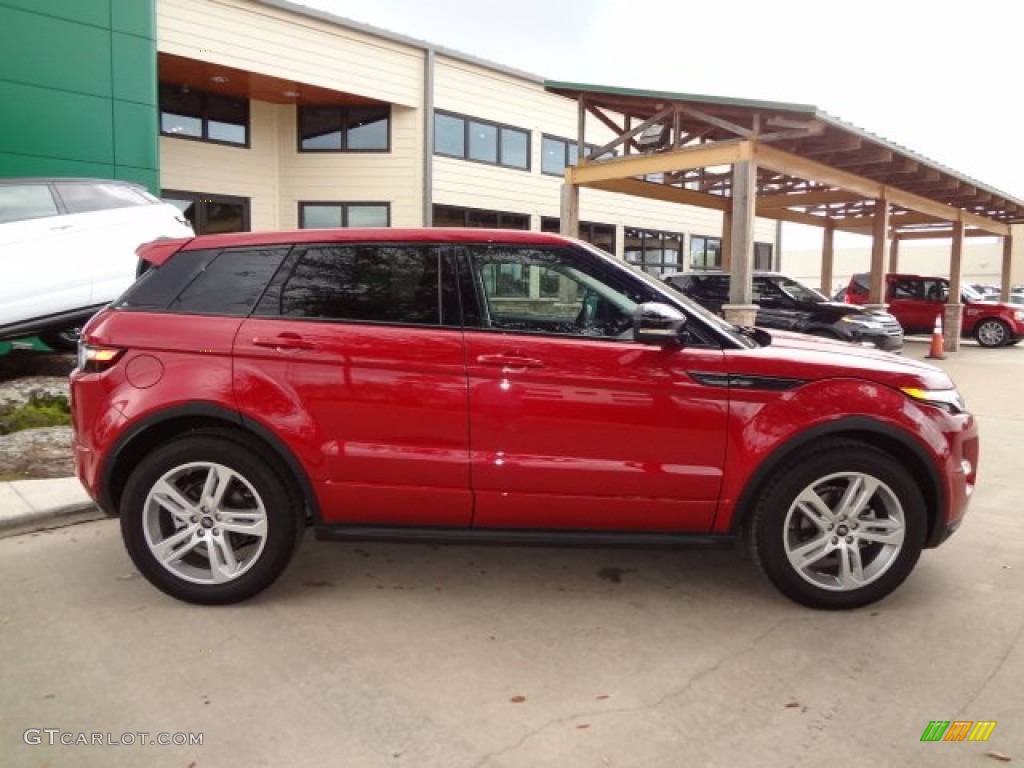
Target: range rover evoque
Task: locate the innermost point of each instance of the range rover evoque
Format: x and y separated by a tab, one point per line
492	386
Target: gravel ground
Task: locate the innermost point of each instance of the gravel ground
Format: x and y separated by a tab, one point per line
34	453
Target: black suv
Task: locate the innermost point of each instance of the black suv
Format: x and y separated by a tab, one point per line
791	306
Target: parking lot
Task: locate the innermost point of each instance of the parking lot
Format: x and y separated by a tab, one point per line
412	655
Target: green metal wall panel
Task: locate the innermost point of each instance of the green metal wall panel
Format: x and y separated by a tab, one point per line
53	53
78	82
33	165
57	124
95	12
135	143
135	17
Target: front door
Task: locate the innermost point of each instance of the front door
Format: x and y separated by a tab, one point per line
572	424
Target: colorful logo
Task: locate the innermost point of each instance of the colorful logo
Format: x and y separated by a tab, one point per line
958	730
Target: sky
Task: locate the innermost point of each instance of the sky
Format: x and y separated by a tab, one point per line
937	76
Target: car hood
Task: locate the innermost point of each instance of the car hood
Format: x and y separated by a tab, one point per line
813	358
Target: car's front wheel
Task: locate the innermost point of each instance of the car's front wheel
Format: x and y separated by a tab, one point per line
992	333
840	526
207	519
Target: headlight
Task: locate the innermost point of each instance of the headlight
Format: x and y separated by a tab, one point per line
863	322
1019	317
948	400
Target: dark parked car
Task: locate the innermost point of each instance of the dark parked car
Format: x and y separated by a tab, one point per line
917	300
786	304
493	386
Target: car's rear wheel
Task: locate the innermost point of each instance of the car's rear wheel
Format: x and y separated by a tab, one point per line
992	333
839	526
207	519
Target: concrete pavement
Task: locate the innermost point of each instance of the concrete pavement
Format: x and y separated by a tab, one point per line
392	655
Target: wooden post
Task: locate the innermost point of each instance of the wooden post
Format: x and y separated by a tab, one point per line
570	213
741	309
880	233
894	254
828	255
952	314
726	264
1007	281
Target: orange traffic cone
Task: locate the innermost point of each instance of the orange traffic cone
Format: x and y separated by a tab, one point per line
937	351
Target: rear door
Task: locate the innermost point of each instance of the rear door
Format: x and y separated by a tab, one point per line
916	302
351	358
573	425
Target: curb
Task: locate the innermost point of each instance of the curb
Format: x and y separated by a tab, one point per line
47	519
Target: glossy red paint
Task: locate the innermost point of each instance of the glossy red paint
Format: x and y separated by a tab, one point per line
417	426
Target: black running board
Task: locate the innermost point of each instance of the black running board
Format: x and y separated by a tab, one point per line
520	538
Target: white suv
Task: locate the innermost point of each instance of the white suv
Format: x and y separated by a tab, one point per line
67	248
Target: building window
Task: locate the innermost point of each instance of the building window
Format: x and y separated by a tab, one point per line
470	138
657	253
763	257
328	215
345	129
189	114
705	252
558	154
210	214
450	216
601	235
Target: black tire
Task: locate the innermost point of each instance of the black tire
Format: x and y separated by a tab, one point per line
992	333
894	511
251	521
65	340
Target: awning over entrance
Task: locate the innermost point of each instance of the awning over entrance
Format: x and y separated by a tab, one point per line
782	161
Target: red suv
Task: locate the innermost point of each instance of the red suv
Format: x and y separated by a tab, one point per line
493	386
916	301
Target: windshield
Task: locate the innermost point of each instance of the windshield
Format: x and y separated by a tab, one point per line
799	291
971	294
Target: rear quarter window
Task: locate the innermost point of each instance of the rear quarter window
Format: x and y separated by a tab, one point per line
213	282
19	202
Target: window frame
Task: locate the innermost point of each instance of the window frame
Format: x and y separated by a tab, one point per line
660	236
204	118
499	128
706	240
344	205
587	230
201	201
467	212
567	144
344	110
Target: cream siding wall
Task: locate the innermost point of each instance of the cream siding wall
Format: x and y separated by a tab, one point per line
395	177
982	262
276	176
270	41
215	169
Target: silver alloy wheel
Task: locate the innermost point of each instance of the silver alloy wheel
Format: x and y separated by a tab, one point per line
844	531
205	523
991	333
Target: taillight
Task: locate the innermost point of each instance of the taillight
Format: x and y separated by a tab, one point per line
93	359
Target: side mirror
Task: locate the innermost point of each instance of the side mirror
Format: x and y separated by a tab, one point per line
659	324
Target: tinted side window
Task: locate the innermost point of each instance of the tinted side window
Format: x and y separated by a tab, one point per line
232	283
371	283
25	201
709	289
81	198
535	290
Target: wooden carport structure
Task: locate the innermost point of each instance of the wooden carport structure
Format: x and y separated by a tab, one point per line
782	161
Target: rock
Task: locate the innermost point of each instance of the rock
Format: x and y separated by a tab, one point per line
17	392
35	453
